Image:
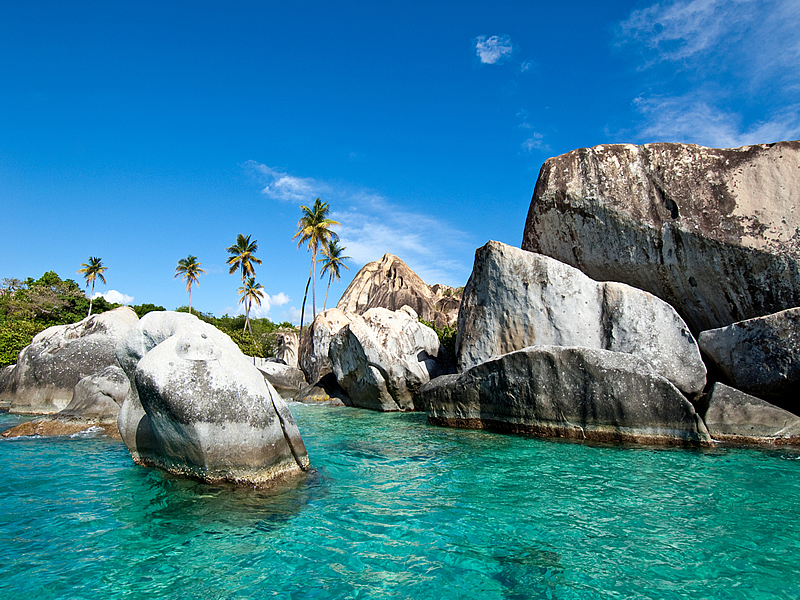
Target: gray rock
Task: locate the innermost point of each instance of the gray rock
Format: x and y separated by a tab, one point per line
383	357
6	386
390	283
201	408
578	393
59	357
715	233
288	347
316	341
515	299
760	356
734	416
287	381
326	391
98	397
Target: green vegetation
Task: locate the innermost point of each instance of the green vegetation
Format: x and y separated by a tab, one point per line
332	262
250	292
30	306
142	309
242	257
91	271
189	269
447	337
314	227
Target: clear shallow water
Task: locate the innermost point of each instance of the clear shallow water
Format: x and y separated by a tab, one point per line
398	509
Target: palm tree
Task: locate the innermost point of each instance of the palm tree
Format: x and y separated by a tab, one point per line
190	269
314	228
331	263
92	270
242	257
250	292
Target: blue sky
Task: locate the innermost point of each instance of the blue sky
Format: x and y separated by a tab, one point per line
143	131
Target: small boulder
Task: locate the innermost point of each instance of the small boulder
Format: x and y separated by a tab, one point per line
734	416
59	357
287	381
760	356
579	393
326	391
383	357
515	299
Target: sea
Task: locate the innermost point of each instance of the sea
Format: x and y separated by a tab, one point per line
397	508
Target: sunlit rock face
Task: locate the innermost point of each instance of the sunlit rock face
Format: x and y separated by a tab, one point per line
316	341
760	356
200	408
47	371
578	393
714	232
383	357
390	283
515	299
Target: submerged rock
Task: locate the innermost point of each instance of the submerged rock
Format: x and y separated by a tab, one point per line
200	408
715	233
734	416
59	357
578	393
382	357
760	356
515	299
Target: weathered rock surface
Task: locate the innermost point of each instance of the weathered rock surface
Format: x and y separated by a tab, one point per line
287	381
383	357
288	347
760	356
390	283
515	299
200	408
51	426
734	416
715	233
59	357
6	385
316	341
579	393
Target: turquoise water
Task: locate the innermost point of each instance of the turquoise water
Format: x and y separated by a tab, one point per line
399	509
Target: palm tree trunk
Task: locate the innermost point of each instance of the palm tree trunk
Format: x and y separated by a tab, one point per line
91	299
305	294
190	299
326	291
314	283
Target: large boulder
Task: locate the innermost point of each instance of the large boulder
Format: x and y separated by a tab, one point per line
736	417
200	408
578	393
59	357
6	385
515	299
716	233
288	347
760	356
390	283
316	341
383	357
287	381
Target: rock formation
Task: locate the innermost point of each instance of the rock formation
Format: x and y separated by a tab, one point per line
715	233
200	408
760	356
316	341
516	299
6	383
383	357
390	283
734	416
288	347
59	357
287	381
578	393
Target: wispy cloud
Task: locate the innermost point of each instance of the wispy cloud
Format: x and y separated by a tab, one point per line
114	297
267	302
285	187
692	119
494	49
739	59
373	225
535	140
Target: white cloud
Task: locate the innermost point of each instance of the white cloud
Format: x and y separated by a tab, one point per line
691	119
493	49
279	299
267	302
114	297
738	59
536	142
372	225
286	187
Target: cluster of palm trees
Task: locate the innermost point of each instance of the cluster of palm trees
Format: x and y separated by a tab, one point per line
313	229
